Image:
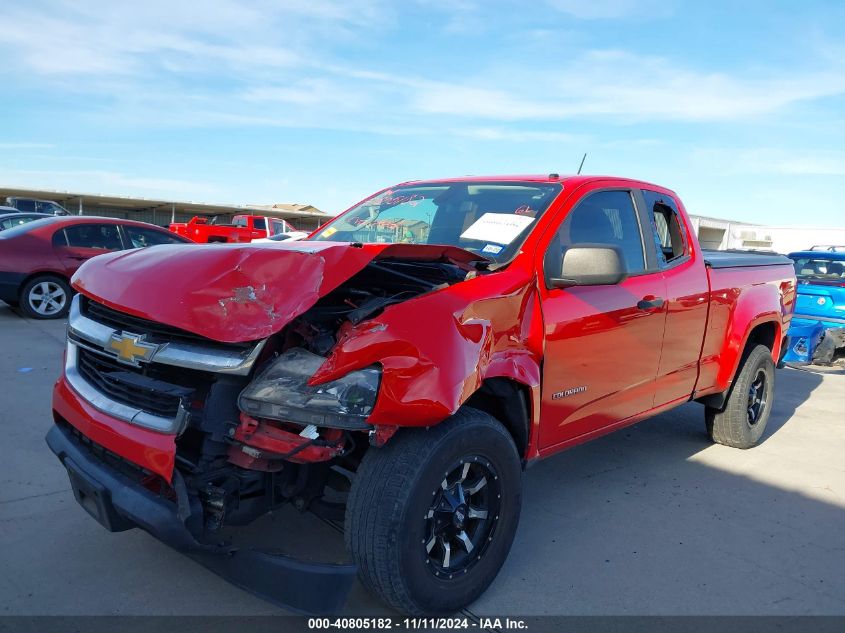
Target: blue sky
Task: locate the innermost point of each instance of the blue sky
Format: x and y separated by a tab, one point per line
738	106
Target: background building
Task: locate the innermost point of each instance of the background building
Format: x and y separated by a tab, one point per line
721	234
162	212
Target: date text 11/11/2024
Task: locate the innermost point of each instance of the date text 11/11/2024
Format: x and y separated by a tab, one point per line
434	624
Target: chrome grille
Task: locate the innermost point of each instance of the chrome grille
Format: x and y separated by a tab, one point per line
120	383
157	391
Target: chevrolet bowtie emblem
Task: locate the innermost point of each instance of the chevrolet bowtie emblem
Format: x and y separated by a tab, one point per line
131	348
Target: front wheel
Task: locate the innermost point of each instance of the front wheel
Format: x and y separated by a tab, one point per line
741	422
432	515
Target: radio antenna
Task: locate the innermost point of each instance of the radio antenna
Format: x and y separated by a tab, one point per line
582	163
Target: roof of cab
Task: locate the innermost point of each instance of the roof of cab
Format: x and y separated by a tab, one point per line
569	181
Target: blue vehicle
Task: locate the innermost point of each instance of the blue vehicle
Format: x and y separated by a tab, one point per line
820	305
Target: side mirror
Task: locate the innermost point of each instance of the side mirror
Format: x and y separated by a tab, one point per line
590	265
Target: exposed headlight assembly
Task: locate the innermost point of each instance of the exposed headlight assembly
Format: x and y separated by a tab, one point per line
281	392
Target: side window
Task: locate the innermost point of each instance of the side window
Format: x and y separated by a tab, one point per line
278	227
24	205
104	236
13	221
140	237
606	217
669	237
259	224
59	238
52	208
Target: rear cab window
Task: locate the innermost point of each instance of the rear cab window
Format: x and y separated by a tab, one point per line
668	231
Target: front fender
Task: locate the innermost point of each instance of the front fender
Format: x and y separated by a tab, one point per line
437	349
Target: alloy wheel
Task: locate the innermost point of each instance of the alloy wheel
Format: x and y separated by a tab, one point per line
757	398
47	298
460	524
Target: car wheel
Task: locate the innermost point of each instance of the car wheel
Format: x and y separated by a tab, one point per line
431	515
45	297
743	420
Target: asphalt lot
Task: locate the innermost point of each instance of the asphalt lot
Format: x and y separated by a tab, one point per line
651	520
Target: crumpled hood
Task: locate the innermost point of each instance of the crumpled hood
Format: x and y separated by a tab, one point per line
239	292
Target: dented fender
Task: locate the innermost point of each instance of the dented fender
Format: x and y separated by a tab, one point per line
437	349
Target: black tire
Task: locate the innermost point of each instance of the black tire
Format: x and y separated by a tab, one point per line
742	421
390	517
45	297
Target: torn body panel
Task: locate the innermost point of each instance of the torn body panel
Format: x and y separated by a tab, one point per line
437	349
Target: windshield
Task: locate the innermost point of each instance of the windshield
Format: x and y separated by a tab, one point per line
490	218
819	268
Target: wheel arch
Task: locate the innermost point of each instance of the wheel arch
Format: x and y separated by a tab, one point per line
43	273
766	332
510	402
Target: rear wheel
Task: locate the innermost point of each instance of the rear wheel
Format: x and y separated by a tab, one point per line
432	515
743	420
45	297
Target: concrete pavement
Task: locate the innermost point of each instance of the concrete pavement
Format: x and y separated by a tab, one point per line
650	520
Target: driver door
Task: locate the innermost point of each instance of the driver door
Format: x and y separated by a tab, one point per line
602	343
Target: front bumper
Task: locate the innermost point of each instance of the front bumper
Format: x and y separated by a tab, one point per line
120	502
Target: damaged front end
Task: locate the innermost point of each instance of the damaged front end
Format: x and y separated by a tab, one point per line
192	410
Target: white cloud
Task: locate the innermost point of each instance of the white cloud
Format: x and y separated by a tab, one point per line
613	9
100	181
15	145
625	87
101	37
519	136
163	63
774	161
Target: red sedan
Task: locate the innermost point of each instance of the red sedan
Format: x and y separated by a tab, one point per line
37	259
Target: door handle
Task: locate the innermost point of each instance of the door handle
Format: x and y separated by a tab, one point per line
654	303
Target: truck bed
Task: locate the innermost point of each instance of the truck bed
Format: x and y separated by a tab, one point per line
749	287
743	259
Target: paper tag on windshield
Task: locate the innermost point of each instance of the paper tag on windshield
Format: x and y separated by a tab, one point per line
500	228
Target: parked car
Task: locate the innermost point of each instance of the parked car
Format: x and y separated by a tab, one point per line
37	259
13	217
818	326
419	351
293	236
244	228
35	205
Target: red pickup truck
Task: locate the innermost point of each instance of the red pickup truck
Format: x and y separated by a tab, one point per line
244	228
439	337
